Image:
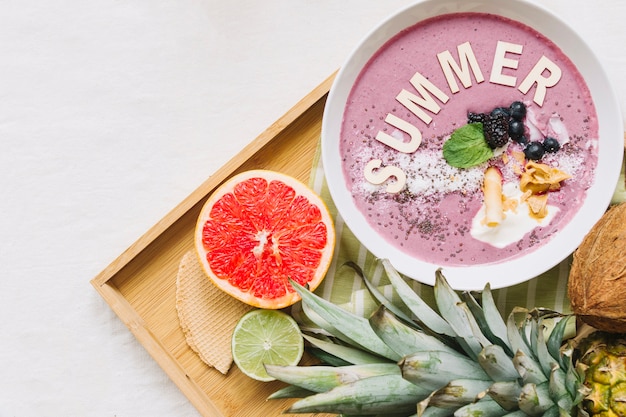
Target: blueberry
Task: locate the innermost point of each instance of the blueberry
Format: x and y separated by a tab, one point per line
500	110
517	110
516	129
534	150
522	140
551	145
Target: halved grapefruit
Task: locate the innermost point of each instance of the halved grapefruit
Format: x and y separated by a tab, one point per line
260	229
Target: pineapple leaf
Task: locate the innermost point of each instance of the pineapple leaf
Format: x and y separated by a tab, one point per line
348	325
313	316
458	393
516	413
377	295
488	318
326	357
494	317
529	369
535	399
558	389
555	411
386	394
573	381
514	333
543	355
459	316
555	340
434	369
324	378
497	364
347	354
427	316
505	393
432	411
485	407
401	338
426	409
535	329
290	391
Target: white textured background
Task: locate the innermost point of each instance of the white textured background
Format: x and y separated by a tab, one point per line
111	113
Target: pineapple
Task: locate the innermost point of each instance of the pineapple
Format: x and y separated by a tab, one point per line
603	366
460	359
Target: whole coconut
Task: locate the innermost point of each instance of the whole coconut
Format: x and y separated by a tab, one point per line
597	279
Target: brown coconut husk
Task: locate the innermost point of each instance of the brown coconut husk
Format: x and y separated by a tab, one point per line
597	279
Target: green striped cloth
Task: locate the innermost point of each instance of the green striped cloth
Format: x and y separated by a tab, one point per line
344	287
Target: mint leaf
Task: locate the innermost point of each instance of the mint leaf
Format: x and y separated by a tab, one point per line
467	147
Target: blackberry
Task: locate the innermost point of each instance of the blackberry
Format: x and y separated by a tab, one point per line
476	117
551	145
534	151
517	110
496	130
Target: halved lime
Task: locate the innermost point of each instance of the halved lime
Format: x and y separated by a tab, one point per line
266	337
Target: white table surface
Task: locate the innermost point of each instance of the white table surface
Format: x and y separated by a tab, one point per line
112	112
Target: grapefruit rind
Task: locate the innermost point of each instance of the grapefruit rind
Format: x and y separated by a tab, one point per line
217	275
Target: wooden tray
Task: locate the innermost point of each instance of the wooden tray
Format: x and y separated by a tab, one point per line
140	285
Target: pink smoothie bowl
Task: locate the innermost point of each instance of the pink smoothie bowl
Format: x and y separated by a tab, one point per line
606	149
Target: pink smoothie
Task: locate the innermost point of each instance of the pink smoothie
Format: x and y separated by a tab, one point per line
431	217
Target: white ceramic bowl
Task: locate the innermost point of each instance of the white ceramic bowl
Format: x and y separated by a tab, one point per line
518	269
